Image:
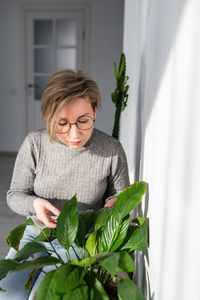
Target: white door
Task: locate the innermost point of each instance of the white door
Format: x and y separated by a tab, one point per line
54	40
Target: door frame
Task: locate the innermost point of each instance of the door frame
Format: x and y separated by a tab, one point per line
85	8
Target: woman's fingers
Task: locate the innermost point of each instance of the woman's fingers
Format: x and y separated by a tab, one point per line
43	209
110	203
50	223
47	222
52	209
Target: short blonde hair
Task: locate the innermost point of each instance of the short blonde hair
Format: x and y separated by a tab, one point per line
62	87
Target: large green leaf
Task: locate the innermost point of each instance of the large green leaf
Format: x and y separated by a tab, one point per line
127	289
110	263
7	265
45	291
46	235
63	280
28	250
15	236
122	233
78	293
110	233
66	278
102	216
137	237
98	291
86	262
91	243
58	281
127	200
67	223
126	263
108	260
86	220
37	263
97	259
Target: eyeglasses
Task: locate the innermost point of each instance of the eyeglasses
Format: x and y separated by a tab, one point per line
82	123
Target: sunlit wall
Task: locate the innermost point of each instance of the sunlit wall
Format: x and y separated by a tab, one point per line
167	138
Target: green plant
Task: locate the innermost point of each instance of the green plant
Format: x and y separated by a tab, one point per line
103	254
120	95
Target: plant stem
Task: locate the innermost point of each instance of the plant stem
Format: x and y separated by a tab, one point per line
80	253
68	255
83	255
98	273
103	276
54	250
107	280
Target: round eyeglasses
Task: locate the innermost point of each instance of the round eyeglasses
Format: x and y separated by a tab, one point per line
82	123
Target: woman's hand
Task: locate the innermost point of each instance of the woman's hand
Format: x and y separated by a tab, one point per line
43	209
110	203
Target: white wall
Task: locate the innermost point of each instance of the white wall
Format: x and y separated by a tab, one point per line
130	125
168	91
106	35
106	47
11	112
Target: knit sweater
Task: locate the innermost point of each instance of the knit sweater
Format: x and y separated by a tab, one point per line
53	171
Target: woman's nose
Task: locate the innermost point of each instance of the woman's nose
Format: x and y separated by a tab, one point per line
74	130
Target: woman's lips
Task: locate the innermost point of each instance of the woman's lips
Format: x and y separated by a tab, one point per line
75	142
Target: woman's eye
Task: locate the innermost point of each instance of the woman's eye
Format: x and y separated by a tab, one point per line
63	124
83	120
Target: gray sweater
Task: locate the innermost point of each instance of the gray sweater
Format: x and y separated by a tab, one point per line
53	171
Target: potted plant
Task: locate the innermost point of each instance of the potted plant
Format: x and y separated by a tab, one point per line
120	94
103	254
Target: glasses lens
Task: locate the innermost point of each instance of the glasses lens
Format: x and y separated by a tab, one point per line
62	127
85	123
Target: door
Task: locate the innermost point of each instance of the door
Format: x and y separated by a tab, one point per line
54	40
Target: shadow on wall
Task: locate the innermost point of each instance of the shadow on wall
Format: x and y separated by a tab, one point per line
162	23
161	26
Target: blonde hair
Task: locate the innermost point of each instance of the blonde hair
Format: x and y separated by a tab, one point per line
62	87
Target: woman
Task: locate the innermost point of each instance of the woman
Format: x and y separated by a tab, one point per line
69	157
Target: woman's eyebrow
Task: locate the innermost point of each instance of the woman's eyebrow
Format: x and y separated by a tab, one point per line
87	114
65	119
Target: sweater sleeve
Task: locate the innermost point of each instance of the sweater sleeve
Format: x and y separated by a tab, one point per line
119	178
21	193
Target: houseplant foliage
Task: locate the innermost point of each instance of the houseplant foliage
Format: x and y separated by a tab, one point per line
103	254
120	94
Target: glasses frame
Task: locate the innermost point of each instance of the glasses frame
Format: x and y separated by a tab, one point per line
76	123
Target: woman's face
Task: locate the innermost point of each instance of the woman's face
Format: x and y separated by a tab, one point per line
79	109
